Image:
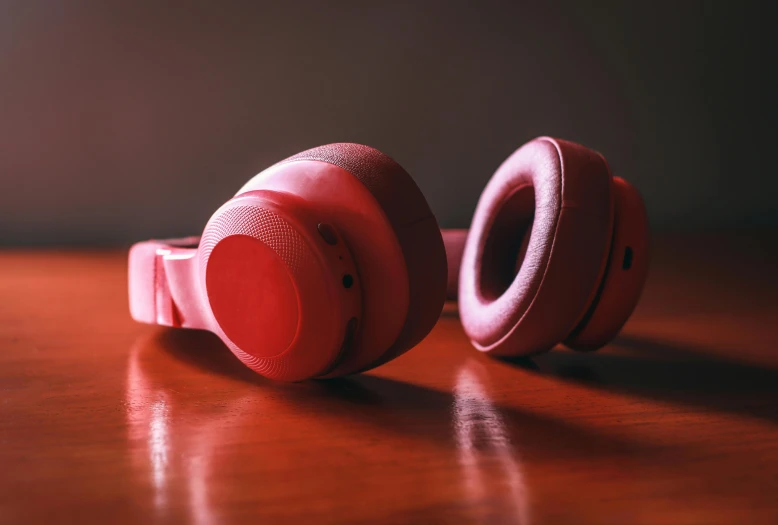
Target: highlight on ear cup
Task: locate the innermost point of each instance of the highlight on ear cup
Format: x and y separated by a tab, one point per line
275	285
391	232
626	273
548	211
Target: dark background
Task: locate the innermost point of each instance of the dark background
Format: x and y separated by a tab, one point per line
123	121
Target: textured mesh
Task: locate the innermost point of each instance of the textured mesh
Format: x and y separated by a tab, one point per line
261	224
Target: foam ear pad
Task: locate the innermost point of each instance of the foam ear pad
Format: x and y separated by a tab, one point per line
560	195
414	225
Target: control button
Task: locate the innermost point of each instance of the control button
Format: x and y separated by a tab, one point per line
327	233
348	281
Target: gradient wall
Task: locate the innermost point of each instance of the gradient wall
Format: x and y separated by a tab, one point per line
122	121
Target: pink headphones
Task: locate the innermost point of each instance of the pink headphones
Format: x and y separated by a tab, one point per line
331	262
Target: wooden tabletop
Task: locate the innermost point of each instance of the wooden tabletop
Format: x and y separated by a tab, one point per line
105	420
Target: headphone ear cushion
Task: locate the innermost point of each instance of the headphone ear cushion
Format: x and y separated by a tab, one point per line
560	195
414	225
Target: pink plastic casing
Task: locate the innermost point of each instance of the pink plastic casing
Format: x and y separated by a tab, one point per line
327	263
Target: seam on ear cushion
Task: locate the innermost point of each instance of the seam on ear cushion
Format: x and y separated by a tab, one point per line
414	225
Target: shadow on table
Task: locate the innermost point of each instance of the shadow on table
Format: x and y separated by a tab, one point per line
395	406
666	372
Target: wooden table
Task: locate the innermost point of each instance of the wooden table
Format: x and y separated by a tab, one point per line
105	420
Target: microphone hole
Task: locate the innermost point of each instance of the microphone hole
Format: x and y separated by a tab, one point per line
626	264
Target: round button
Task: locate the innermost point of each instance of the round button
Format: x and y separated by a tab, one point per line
327	233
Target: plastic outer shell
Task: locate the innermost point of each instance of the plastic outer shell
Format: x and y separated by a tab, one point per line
626	274
276	286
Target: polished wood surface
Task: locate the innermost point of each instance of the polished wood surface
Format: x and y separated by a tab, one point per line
105	420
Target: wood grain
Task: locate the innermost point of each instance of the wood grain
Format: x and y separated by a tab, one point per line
105	420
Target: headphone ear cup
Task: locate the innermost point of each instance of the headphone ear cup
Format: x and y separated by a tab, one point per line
274	286
560	195
625	276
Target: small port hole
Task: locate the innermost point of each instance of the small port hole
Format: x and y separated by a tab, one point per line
626	264
348	280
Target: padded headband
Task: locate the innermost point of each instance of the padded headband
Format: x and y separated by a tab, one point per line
161	288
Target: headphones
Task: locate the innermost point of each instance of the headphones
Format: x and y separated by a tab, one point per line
331	262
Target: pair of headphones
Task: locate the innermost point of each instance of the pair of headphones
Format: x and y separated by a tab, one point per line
331	262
